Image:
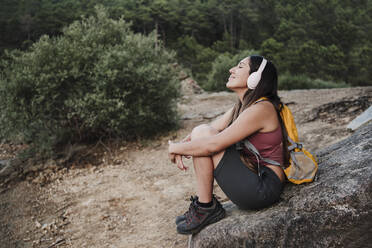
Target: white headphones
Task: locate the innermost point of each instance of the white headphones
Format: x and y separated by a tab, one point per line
255	77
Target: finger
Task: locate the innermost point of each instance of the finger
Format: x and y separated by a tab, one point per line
180	164
183	165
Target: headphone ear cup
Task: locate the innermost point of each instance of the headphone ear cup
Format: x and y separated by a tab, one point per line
253	80
255	77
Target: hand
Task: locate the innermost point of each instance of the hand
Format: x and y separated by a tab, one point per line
180	163
176	158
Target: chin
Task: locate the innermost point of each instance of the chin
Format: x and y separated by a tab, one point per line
232	86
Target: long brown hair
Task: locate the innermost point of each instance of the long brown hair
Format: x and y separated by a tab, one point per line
267	87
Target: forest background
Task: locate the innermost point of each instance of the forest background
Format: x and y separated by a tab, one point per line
71	72
322	39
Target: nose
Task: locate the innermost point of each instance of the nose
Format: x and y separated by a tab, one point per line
232	69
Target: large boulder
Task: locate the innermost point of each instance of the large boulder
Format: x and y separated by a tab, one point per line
333	211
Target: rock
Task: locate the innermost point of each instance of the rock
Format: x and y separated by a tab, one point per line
338	110
9	167
361	119
4	163
32	168
190	116
190	87
333	211
50	164
182	75
5	168
212	115
37	224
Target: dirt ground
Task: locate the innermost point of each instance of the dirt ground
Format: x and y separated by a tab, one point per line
130	197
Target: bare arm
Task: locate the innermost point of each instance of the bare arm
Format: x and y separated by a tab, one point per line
249	121
218	124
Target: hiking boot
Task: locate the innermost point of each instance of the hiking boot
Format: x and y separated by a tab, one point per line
181	218
196	218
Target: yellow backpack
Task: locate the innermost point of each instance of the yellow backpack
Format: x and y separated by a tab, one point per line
303	165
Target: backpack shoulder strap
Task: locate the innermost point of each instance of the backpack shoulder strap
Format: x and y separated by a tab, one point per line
289	123
264	98
258	156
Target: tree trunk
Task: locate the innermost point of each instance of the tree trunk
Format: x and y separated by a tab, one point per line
156	34
231	31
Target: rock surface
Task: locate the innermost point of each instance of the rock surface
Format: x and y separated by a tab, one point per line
333	211
365	117
127	195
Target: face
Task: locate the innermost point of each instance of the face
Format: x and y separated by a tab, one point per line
239	75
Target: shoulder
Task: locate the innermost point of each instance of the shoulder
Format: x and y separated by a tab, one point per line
262	108
258	113
262	113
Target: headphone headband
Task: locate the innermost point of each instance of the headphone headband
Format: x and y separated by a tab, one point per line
262	65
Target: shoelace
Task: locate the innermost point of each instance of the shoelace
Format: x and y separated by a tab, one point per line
192	210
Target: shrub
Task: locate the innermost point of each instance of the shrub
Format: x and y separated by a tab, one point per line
97	80
193	55
219	75
291	82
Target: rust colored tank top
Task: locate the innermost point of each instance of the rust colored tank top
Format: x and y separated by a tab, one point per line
268	144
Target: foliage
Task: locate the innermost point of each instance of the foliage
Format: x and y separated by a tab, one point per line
192	55
291	82
97	80
320	39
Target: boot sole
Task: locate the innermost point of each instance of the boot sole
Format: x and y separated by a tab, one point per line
216	218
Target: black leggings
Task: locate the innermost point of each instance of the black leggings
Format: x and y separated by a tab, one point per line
244	187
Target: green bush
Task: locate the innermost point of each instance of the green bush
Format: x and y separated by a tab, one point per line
194	56
291	82
97	80
219	74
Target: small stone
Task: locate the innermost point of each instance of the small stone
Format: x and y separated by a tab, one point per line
44	226
37	224
33	168
14	175
182	75
38	180
50	164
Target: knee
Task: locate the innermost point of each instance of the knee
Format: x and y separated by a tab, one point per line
203	130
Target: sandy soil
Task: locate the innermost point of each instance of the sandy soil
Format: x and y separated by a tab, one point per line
130	197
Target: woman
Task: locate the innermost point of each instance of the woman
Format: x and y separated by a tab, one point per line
217	149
